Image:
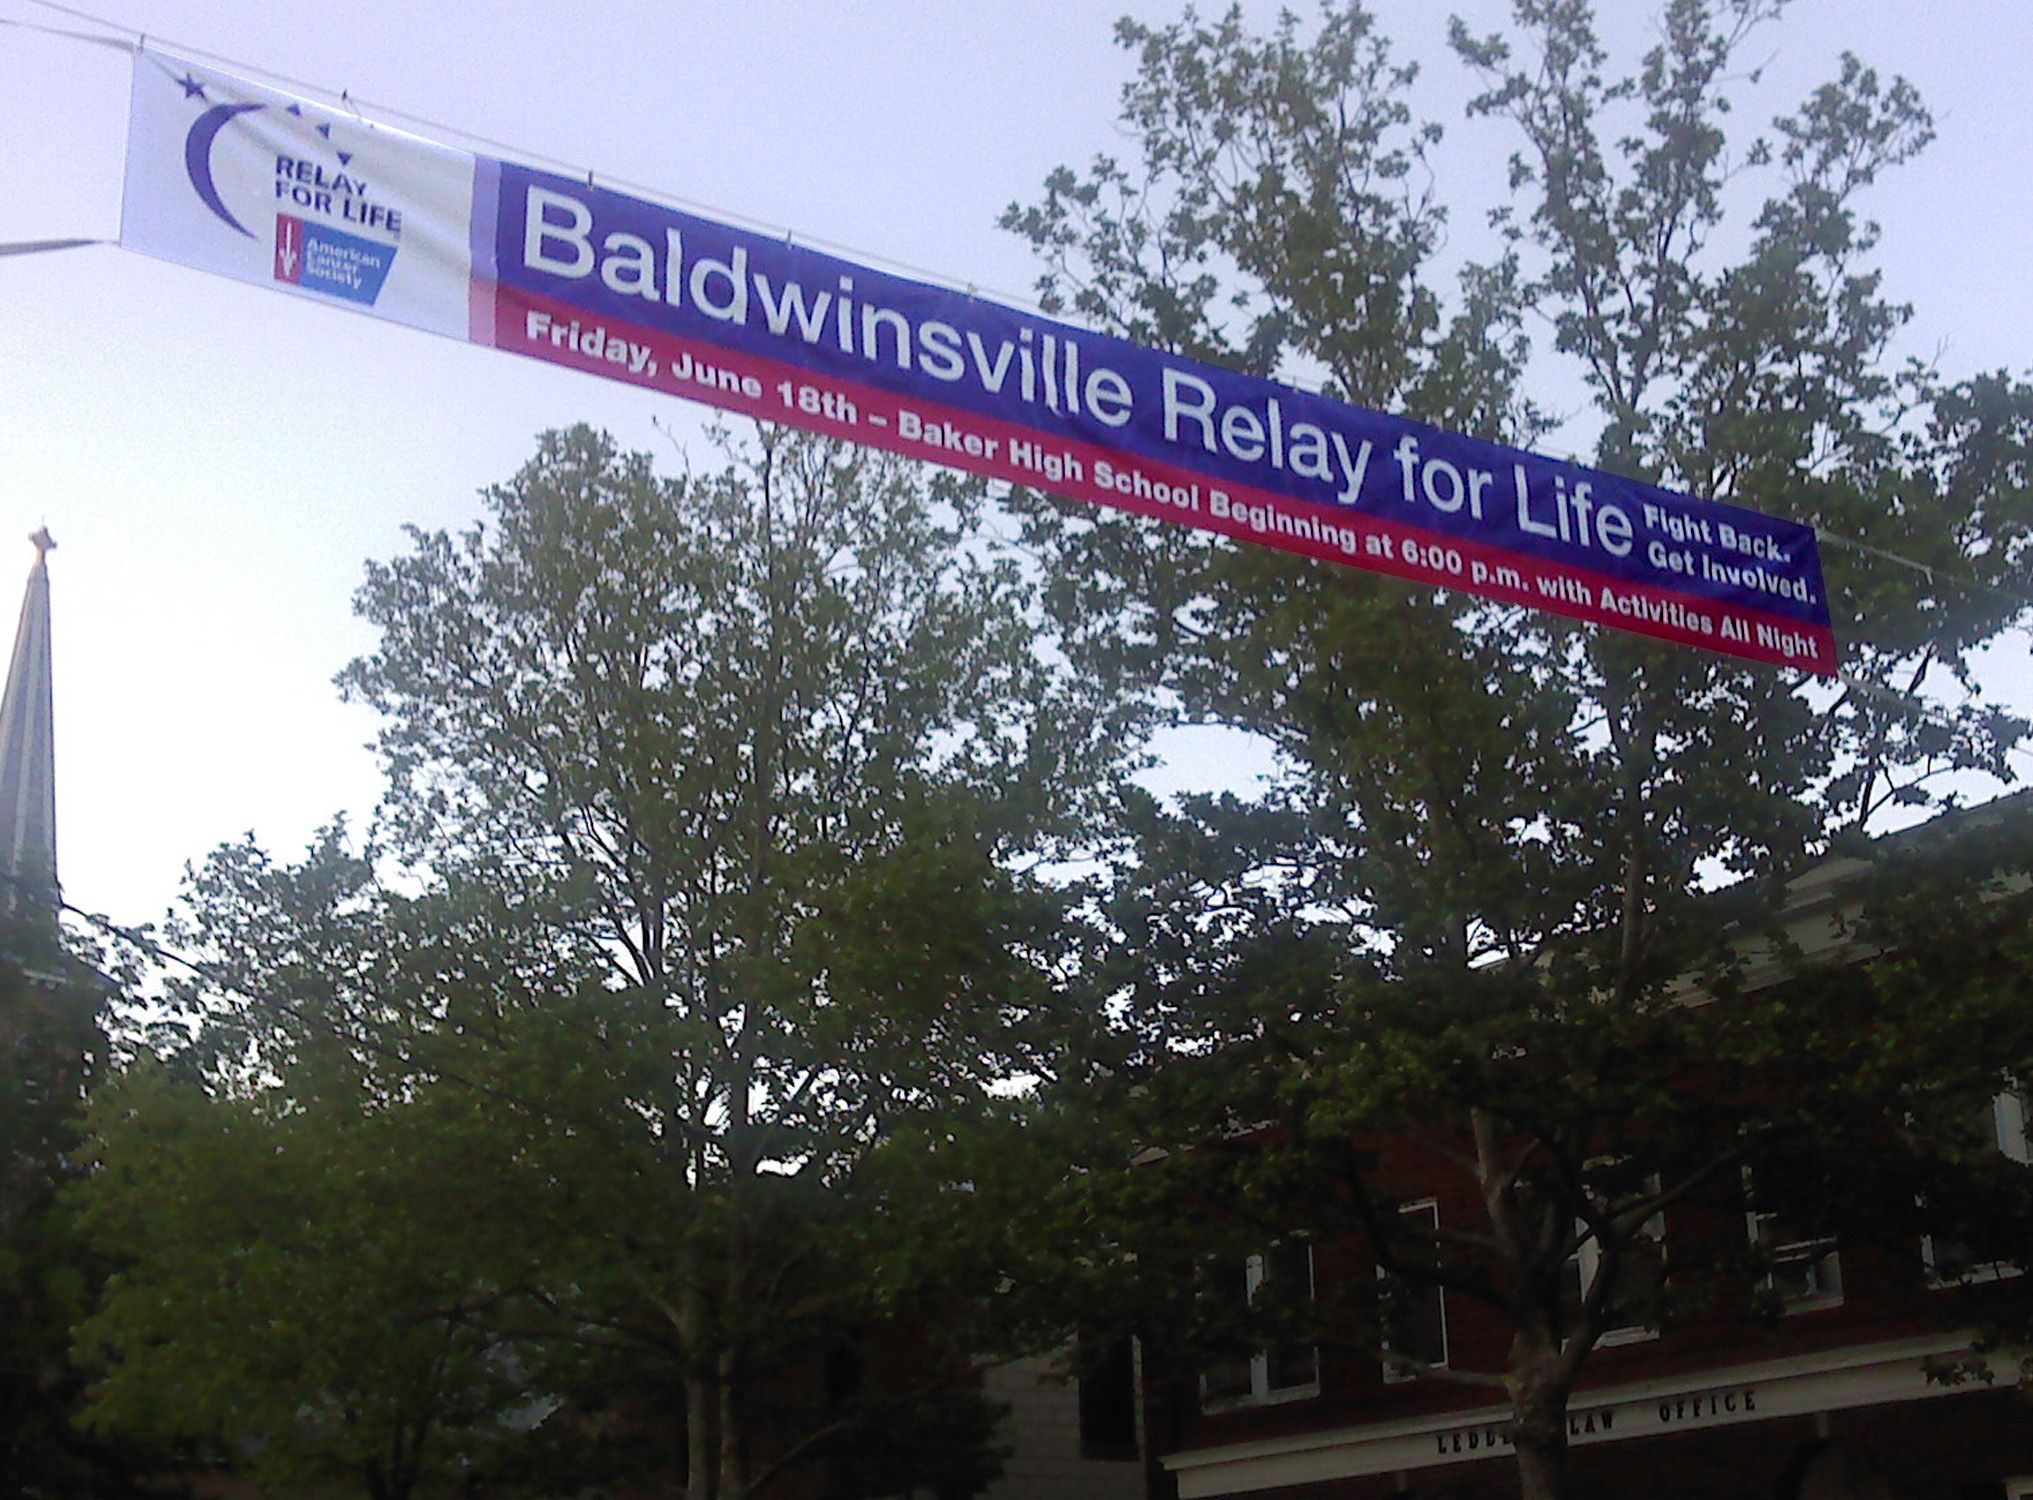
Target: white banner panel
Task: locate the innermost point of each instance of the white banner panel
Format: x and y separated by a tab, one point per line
231	177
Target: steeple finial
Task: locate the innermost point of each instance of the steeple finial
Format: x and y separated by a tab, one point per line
44	544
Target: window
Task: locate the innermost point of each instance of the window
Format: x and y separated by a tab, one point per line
1286	1372
2001	1123
1804	1269
1414	1311
1637	1278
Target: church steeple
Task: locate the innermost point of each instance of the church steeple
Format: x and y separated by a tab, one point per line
28	752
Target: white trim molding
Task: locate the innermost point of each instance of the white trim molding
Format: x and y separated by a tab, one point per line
1834	1380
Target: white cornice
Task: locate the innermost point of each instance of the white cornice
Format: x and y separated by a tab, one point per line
1831	1380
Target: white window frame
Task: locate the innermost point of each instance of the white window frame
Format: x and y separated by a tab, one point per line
2009	1131
1587	1260
2015	1131
1819	1251
1395	1374
1261	1392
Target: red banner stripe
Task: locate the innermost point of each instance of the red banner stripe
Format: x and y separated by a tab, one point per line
775	391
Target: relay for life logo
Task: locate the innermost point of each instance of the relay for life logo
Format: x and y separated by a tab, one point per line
257	184
312	186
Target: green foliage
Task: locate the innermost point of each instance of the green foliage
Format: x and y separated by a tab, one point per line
50	1037
295	1287
1466	909
702	887
725	726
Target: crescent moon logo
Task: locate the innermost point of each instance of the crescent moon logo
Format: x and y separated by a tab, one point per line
198	157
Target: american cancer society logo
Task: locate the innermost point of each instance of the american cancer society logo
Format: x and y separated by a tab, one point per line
315	184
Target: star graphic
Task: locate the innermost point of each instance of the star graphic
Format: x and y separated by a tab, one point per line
191	87
295	109
325	131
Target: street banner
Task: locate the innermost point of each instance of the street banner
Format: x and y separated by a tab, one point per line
236	178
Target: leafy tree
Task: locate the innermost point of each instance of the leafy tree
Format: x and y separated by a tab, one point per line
771	742
322	1199
50	1036
292	1280
1465	908
714	801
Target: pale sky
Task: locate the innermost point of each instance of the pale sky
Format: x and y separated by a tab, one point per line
216	461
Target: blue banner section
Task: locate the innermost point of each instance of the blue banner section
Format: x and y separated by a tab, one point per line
629	263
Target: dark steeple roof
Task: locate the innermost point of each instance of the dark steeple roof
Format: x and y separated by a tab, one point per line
28	748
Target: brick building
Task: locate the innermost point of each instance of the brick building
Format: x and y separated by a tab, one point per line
1829	1396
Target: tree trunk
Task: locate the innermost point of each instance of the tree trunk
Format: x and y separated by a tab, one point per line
733	1476
701	1449
1541	1372
699	1444
734	1322
1539	1418
1542	1460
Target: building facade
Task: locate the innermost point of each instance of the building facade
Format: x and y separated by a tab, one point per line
1815	1370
